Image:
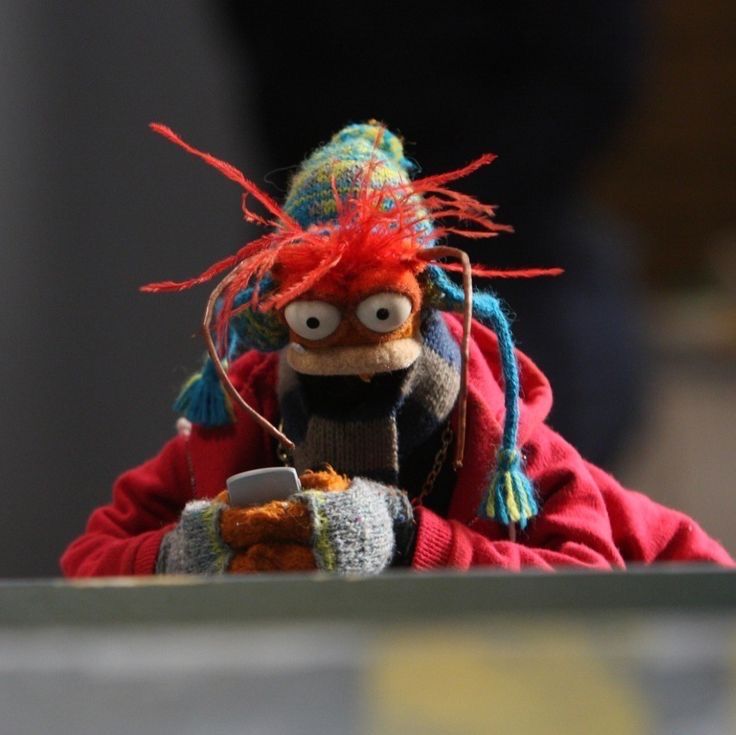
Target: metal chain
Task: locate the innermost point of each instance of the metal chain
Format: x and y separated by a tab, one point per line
439	462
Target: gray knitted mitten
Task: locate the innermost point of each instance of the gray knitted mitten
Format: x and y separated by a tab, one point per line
360	530
195	546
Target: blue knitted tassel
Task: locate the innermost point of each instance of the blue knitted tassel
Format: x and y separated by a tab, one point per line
203	399
510	498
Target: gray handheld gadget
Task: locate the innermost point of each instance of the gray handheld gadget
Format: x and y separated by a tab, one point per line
256	487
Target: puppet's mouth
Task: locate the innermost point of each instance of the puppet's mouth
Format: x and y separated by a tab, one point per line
396	354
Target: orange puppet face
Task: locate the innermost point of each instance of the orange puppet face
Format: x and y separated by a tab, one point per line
356	324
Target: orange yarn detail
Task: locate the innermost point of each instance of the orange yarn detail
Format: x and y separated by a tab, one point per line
274	558
280	521
326	479
222	497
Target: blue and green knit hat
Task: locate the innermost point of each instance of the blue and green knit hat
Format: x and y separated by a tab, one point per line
344	161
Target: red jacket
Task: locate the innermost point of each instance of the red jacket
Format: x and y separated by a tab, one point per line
587	519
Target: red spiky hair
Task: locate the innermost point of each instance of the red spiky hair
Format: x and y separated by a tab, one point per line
386	229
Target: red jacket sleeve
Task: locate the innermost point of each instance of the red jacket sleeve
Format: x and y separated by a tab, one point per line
124	537
647	532
587	520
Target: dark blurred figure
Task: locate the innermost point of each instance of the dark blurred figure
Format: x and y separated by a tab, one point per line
541	85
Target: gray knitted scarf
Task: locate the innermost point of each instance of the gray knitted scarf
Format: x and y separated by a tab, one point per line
369	428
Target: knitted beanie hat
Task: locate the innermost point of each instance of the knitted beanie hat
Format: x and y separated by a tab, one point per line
359	155
353	204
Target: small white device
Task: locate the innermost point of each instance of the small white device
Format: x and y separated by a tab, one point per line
256	487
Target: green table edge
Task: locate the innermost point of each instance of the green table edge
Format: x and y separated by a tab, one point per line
394	596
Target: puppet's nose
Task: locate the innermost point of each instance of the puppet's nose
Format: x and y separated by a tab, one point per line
353	348
354	333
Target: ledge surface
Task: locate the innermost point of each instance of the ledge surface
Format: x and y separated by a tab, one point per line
395	596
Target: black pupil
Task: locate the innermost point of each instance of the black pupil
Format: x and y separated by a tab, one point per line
382	314
313	322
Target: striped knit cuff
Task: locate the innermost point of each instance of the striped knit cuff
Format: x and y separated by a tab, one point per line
353	531
195	546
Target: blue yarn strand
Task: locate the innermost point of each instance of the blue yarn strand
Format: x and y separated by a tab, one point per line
510	497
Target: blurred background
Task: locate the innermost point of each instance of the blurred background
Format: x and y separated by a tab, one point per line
613	122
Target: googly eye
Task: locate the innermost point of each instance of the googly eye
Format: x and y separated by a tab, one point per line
312	319
384	312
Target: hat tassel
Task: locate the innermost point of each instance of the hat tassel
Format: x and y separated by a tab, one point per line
203	400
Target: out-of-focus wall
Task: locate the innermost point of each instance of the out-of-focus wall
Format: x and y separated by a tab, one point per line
672	171
672	174
92	205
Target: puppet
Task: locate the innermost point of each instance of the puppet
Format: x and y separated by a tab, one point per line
341	325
